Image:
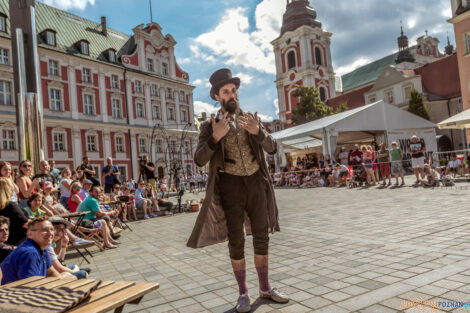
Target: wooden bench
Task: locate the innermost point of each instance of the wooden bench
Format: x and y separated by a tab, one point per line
108	296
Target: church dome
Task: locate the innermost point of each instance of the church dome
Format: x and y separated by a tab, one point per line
298	13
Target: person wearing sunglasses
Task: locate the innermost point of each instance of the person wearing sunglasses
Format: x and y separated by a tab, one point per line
31	258
26	186
74	199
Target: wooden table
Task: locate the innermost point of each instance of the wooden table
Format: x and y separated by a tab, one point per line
109	296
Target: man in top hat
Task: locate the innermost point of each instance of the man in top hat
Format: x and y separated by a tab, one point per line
239	190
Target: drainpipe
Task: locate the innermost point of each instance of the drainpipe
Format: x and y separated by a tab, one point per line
451	130
127	117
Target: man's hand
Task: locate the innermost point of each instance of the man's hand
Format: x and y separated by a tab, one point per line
249	123
220	128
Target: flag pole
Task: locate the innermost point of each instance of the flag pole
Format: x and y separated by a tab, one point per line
151	17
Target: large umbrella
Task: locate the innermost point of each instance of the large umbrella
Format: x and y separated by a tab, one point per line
458	121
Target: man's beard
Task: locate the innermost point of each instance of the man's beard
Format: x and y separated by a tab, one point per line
230	106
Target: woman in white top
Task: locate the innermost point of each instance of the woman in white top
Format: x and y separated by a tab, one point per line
65	183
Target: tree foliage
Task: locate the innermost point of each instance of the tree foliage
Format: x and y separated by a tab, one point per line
310	107
343	106
417	106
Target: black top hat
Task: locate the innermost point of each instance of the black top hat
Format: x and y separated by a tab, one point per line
220	78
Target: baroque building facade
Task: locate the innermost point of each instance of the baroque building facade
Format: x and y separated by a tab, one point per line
103	92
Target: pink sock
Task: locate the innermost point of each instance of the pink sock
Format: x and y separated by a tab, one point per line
263	278
240	276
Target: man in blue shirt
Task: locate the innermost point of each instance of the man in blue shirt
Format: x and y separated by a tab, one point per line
141	201
111	175
31	258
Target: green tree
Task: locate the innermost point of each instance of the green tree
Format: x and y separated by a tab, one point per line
417	105
310	107
343	106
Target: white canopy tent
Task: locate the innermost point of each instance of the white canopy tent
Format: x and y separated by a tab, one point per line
458	121
357	125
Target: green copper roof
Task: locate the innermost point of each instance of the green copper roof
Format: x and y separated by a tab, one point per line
70	29
367	73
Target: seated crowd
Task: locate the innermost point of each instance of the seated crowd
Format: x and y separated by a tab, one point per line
365	164
39	215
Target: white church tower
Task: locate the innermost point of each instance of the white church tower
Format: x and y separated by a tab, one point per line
303	57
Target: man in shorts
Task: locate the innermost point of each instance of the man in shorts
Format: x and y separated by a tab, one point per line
417	149
396	156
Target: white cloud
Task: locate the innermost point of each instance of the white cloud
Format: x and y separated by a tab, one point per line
232	40
69	4
197	82
184	61
245	78
411	23
276	105
447	13
200	107
351	67
265	118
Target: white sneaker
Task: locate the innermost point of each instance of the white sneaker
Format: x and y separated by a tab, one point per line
146	217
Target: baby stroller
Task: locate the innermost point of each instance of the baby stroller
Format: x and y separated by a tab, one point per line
359	177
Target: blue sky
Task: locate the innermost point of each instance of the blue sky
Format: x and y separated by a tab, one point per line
237	33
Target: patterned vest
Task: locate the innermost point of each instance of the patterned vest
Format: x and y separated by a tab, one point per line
239	159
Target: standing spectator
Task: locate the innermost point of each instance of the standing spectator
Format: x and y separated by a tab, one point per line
374	149
343	156
396	155
17	216
417	149
141	201
64	185
198	178
88	171
111	175
355	157
7	173
147	171
31	258
384	163
45	175
5	248
368	164
192	182
26	186
75	199
54	171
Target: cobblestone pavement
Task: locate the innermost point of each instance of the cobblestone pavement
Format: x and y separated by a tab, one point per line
339	250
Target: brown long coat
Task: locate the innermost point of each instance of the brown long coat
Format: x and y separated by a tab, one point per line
211	227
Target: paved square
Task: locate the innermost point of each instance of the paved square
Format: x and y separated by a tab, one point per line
339	250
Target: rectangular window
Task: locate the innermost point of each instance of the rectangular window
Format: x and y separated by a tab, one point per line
120	144
9	139
164	69
3	24
467	41
55	100
84	47
182	97
184	115
86	75
59	142
171	115
91	143
173	146
139	109
5	93
407	91
156	112
372	99
169	93
4	56
150	65
154	90
116	108
123	172
114	81
88	107
159	145
111	56
138	86
50	38
389	96
142	145
53	68
186	148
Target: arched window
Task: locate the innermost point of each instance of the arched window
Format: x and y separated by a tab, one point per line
291	59
318	56
322	94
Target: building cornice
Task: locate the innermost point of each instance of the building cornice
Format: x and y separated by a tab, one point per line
459	18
